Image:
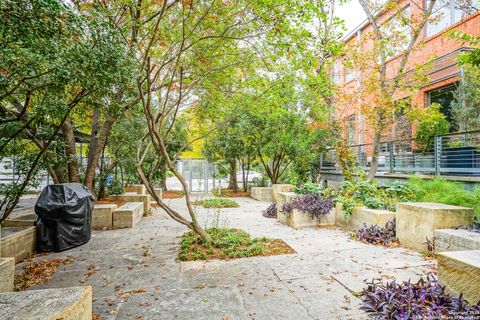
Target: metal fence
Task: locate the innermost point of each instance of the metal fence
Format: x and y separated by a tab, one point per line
200	175
456	154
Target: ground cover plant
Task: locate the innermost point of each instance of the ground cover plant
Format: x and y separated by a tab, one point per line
229	244
217	203
271	211
314	204
447	192
425	299
374	234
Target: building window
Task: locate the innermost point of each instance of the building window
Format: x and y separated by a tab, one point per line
335	74
447	12
445	97
349	75
350	129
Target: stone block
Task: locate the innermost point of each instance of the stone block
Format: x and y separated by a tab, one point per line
262	193
128	215
7	274
135	188
74	303
416	221
158	192
102	215
277	188
459	271
285	197
25	220
18	242
300	219
360	216
456	240
145	198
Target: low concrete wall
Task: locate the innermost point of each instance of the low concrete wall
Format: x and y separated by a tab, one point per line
416	221
26	220
301	219
362	216
73	303
135	188
158	192
7	274
459	271
145	198
262	193
277	188
102	215
456	240
18	242
128	215
282	198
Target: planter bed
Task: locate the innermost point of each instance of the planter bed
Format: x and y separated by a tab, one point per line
361	216
25	220
18	242
262	193
278	188
456	240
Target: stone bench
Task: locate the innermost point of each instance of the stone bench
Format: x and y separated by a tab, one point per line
262	193
145	198
24	220
135	188
128	215
102	215
301	219
456	240
277	188
73	303
459	271
18	242
361	216
7	274
416	221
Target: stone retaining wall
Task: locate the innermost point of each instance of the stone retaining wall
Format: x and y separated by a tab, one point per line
262	193
145	198
278	188
135	188
416	221
362	216
456	240
102	215
459	271
74	303
128	215
7	273
18	242
25	220
301	219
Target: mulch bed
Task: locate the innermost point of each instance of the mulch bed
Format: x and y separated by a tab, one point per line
172	194
234	194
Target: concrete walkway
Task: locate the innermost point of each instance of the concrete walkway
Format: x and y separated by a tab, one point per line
135	276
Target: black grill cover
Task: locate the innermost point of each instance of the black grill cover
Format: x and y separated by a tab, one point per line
64	217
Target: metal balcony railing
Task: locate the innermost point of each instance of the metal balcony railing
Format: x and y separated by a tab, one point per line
456	154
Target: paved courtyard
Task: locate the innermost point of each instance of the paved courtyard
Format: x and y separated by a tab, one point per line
135	276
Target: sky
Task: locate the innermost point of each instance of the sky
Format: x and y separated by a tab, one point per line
352	13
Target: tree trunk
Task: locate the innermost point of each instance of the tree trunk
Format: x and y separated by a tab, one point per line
232	182
71	151
163	180
375	153
95	153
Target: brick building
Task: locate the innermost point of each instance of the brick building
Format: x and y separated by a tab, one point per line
434	47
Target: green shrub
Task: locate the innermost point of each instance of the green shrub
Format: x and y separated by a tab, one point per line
307	188
447	192
217	203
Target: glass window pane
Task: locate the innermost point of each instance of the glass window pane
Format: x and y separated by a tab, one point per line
464	8
442	17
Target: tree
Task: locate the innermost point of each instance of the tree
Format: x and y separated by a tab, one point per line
382	84
55	65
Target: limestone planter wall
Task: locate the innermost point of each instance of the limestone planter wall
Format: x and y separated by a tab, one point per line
301	219
7	273
102	215
282	198
456	240
459	271
278	188
18	242
135	188
360	216
158	192
74	303
417	221
128	215
262	193
26	220
145	198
